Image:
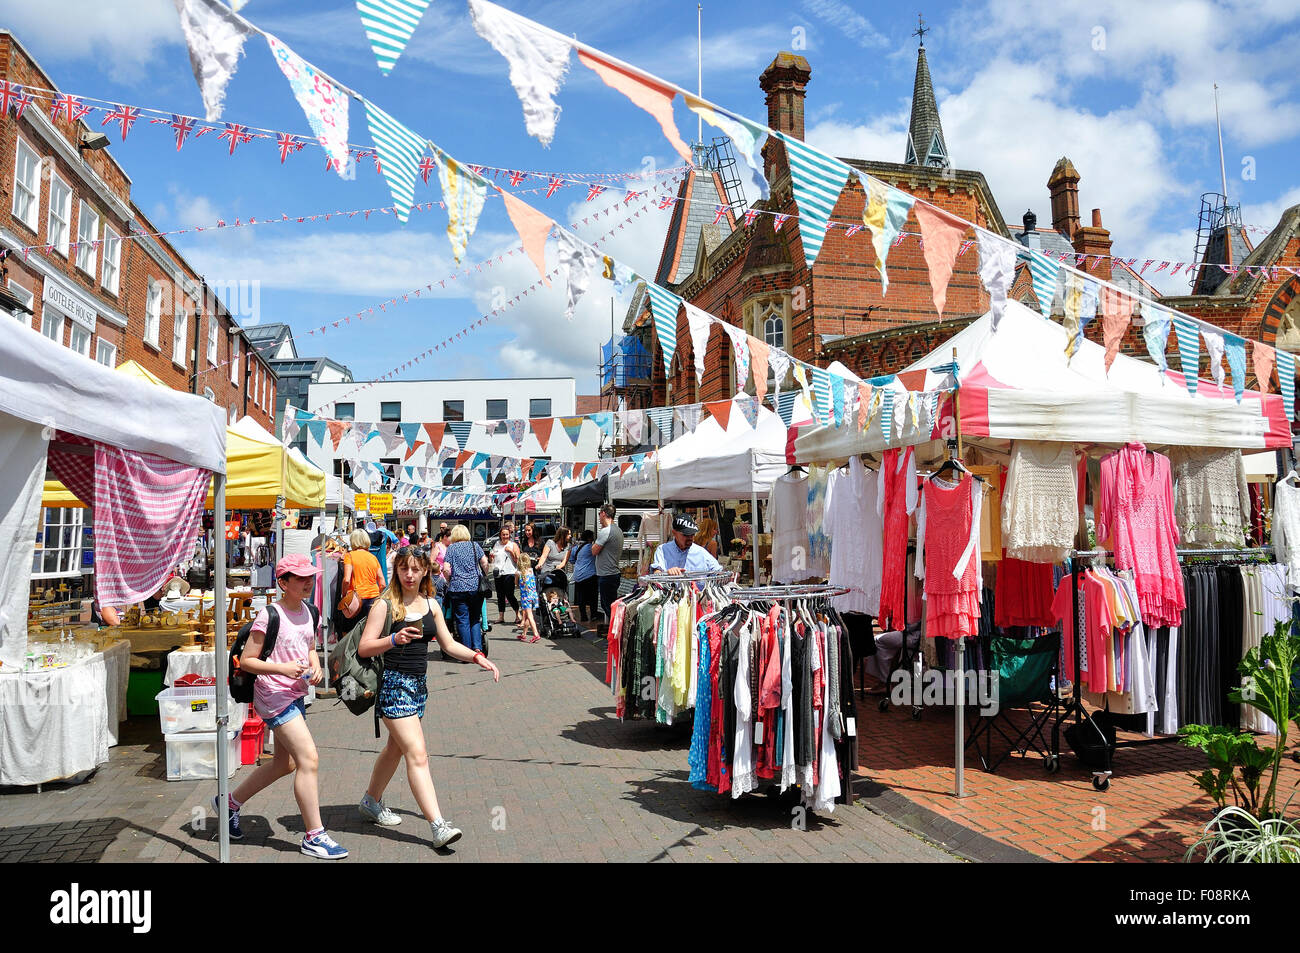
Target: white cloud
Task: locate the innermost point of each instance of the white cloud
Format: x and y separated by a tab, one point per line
842	17
122	42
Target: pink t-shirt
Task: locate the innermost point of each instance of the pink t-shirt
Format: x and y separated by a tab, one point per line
272	694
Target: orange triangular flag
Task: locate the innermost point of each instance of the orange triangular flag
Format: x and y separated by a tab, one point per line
577	469
410	453
1264	357
1116	311
533	227
721	410
461	457
541	427
941	237
758	353
337	429
622	471
654	98
435	432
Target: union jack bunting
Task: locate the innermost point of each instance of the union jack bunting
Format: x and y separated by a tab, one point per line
853	230
517	177
667	200
633	195
183	125
236	133
126	115
10	93
593	191
71	107
553	186
288	143
750	215
780	220
427	165
201	131
719	212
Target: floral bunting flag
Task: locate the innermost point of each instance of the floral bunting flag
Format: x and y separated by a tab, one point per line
779	361
325	105
538	62
516	429
749	407
744	135
740	351
1155	331
700	326
215	39
884	212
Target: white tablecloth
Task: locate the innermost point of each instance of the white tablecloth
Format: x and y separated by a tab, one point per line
190	663
61	722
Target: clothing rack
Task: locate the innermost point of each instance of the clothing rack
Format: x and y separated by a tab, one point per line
1101	777
788	593
686	578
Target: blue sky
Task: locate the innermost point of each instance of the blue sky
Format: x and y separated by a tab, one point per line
1124	89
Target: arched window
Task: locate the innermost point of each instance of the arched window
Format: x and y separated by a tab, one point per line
774	329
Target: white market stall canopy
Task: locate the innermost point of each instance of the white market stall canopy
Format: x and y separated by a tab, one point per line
712	464
1017	384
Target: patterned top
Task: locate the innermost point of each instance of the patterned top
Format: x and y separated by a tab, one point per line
698	759
464	557
1040	508
1211	498
527	590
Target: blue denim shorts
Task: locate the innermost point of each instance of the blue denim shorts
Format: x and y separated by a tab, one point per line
401	696
295	709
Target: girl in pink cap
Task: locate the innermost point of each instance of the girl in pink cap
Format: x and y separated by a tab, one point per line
278	693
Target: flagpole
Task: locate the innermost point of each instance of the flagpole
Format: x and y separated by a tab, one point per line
699	81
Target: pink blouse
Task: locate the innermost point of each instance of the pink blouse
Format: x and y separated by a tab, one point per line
1135	518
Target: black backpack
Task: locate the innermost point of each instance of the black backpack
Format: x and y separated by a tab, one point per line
241	683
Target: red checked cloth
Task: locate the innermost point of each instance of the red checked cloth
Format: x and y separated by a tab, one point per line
147	515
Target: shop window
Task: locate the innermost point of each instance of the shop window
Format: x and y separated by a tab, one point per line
498	409
453	410
390	410
539	407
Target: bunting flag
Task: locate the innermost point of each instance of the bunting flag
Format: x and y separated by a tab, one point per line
1116	312
533	227
1235	348
740	354
604	419
572	427
1155	331
689	416
325	105
1263	358
1079	305
463	194
538	62
291	425
886	415
516	429
337	429
837	400
460	430
436	432
410	433
997	271
749	407
541	427
399	151
779	361
215	38
784	404
864	405
634	421
885	213
655	98
1189	349
758	362
414	450
700	325
463	457
389	25
744	135
821	389
1043	271
578	261
1214	347
941	235
663	308
662	418
721	411
817	180
1286	382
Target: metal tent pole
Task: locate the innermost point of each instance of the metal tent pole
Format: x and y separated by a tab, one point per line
959	732
218	648
753	511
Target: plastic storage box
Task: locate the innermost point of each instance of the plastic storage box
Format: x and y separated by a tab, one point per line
250	741
194	708
192	755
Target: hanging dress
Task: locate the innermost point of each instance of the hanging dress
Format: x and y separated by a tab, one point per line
896	500
948	556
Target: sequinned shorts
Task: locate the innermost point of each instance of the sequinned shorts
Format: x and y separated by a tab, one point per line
401	696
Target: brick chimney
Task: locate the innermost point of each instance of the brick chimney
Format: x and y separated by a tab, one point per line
1063	187
1094	240
785	81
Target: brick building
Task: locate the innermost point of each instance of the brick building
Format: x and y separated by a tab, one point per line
81	268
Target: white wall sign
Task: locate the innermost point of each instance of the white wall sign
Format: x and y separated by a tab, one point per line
69	302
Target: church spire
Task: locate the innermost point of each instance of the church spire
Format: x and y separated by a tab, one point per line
925	142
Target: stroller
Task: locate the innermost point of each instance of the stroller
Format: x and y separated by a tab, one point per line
554	611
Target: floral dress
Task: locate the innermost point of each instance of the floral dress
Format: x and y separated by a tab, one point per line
528	590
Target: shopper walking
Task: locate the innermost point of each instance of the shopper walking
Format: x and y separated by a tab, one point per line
460	567
609	552
361	582
528	600
505	567
281	684
555	560
585	588
412	619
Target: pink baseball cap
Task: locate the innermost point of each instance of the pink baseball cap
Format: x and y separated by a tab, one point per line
295	565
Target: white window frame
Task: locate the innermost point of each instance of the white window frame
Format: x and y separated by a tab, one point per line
59	239
153	313
86	253
209	395
768	316
67	523
27	297
76	330
234	359
111	271
30	189
49	315
180	335
104	349
214	325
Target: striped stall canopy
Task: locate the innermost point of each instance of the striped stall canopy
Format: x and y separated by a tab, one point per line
818	180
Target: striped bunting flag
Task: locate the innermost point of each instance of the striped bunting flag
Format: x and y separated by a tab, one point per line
460	430
663	308
818	180
1189	349
822	400
785	406
662	418
837	399
1044	272
399	156
887	418
1286	381
389	24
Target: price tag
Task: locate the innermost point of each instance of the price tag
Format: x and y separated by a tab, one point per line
853	727
758	733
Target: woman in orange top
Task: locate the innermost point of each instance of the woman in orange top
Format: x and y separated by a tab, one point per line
361	576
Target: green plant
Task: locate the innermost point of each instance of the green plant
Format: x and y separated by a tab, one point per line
1237	763
1268	685
1235	836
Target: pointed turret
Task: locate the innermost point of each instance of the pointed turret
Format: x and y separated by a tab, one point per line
925	142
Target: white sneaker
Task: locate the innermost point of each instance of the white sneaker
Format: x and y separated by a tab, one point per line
377	813
443	833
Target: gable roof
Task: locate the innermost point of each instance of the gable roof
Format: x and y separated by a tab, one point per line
698	197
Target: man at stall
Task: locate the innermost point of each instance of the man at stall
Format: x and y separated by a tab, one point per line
683	554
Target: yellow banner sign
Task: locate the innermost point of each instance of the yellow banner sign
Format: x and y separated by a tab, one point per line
381	504
359	502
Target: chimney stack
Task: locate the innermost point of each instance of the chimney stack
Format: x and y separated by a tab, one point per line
1031	222
1063	187
1094	240
785	81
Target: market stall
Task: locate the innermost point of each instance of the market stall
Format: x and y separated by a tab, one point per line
142	457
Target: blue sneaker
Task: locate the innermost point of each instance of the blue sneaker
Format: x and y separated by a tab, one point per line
235	832
324	847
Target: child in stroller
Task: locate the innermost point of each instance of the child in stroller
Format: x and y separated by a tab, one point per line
555	613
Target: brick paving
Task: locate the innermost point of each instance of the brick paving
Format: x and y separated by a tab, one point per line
1151	812
533	769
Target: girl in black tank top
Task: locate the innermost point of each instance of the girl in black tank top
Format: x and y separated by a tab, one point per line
413	657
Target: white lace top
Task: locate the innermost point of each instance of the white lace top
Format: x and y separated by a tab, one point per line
1040	506
1286	529
1211	499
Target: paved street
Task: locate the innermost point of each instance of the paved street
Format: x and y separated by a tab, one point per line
533	769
